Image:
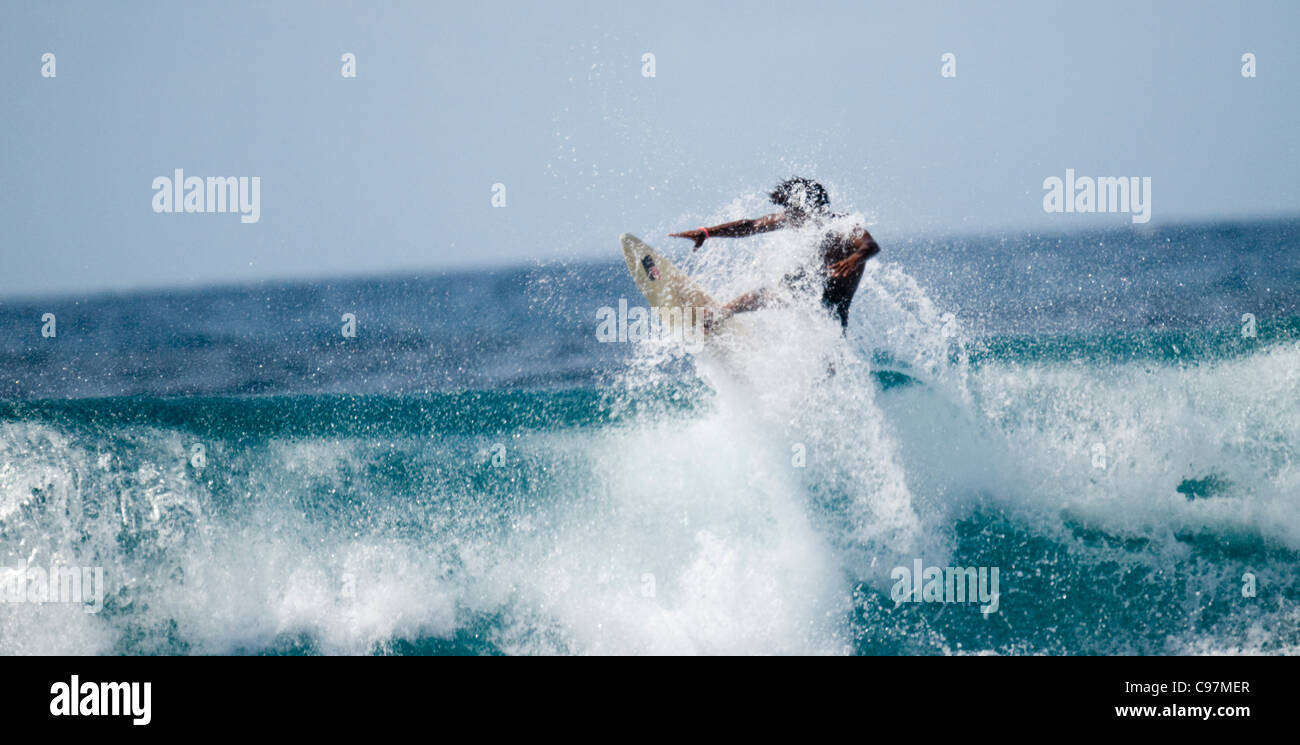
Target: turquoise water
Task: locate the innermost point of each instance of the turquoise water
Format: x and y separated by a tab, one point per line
477	475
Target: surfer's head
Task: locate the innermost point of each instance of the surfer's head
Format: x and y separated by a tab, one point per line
801	197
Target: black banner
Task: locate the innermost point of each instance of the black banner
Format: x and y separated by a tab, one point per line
262	695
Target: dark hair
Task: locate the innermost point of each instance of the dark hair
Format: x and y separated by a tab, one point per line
800	194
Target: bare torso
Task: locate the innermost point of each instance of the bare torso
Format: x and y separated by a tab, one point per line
843	257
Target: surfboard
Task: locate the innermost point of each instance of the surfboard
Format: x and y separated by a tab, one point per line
678	298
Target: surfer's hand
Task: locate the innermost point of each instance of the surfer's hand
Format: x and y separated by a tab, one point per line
845	267
695	235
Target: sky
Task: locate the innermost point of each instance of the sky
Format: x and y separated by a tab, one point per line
393	170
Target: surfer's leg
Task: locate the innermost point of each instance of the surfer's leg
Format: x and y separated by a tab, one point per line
747	302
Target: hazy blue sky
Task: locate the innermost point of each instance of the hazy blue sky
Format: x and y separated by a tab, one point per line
393	170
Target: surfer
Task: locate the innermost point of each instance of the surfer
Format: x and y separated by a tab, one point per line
843	251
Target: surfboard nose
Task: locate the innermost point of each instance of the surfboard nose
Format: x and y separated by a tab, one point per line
624	237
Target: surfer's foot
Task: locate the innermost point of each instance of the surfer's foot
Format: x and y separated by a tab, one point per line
710	319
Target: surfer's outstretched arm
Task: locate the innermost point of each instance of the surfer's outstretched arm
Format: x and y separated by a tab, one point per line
735	229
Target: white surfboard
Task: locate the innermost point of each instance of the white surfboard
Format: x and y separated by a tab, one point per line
678	298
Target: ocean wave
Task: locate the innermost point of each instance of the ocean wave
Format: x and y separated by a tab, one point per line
672	519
